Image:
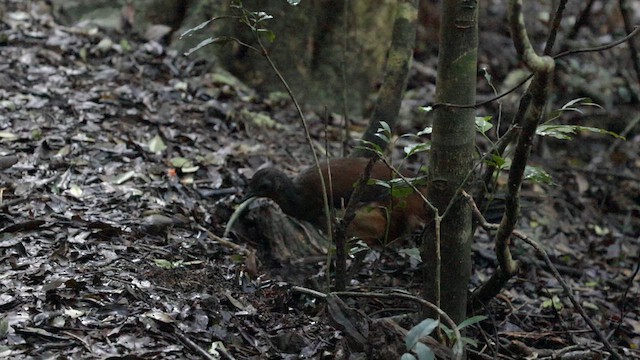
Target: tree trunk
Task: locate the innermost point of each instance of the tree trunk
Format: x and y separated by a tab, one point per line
392	89
451	160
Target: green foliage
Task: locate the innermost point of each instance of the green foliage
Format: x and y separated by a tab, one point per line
384	132
566	132
401	191
459	345
169	265
156	145
573	105
535	174
497	161
417	148
253	19
126	46
426	327
538	175
483	124
558	131
553	302
369	146
412	340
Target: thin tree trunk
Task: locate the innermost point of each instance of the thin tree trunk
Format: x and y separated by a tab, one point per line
451	160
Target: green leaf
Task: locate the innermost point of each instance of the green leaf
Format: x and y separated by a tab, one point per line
584	101
424	352
565	132
472	320
371	147
415	181
200	45
570	106
483	124
401	191
426	131
417	148
487	76
425	327
271	36
385	127
384	137
126	45
217	40
196	28
156	145
413	253
75	191
554	301
378	182
458	348
538	175
497	161
261	16
180	162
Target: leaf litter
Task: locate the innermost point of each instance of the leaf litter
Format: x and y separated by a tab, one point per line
121	160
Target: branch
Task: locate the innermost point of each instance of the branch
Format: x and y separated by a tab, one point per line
554	271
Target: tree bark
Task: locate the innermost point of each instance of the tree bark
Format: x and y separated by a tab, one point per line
391	91
451	160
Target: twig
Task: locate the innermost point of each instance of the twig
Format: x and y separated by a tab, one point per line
582	20
341	228
424	303
608	46
305	126
555	26
558	56
542	252
198	349
632	124
226	243
625	10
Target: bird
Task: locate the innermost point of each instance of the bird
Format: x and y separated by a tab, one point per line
302	198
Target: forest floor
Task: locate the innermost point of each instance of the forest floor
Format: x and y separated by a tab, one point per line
130	158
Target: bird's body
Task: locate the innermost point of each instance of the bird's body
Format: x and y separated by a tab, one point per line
302	198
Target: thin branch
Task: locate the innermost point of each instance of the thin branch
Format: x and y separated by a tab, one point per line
554	271
625	10
452	325
582	20
608	46
555	26
341	229
307	133
631	34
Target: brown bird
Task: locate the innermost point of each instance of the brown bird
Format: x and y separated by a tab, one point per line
301	197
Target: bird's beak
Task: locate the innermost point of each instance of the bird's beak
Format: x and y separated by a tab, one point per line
246	201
